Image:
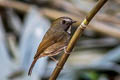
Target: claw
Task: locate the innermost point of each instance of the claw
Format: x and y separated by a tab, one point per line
65	49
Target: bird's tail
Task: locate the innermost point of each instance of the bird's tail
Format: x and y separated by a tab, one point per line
32	65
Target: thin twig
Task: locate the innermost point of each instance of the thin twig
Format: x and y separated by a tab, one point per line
104	28
74	39
22	7
96	26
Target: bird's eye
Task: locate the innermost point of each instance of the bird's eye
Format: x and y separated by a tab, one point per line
63	22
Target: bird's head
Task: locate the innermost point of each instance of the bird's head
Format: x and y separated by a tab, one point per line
64	22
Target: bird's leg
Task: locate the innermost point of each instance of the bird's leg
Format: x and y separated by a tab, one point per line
53	59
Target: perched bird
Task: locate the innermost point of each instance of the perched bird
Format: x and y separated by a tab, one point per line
55	40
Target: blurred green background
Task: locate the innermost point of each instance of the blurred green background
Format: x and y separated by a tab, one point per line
23	23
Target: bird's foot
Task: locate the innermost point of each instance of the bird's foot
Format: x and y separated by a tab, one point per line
65	51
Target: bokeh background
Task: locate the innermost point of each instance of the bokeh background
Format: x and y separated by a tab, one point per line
23	23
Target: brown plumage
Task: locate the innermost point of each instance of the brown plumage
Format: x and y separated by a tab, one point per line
55	39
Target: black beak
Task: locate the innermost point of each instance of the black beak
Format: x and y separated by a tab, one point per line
74	22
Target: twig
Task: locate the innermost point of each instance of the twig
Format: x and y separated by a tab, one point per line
23	7
69	7
108	66
104	28
73	41
108	18
15	5
97	43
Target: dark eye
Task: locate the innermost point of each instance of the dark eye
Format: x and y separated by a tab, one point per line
63	22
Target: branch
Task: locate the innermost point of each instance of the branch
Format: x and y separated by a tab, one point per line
22	7
104	28
74	39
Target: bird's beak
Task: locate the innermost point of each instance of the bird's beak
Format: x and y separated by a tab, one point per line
74	22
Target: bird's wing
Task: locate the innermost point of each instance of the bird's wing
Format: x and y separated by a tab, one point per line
48	40
57	47
54	49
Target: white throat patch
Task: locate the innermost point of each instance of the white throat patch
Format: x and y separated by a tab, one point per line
69	30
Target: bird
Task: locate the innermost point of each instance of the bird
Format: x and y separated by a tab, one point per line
55	40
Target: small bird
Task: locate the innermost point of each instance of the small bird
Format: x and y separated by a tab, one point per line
55	40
